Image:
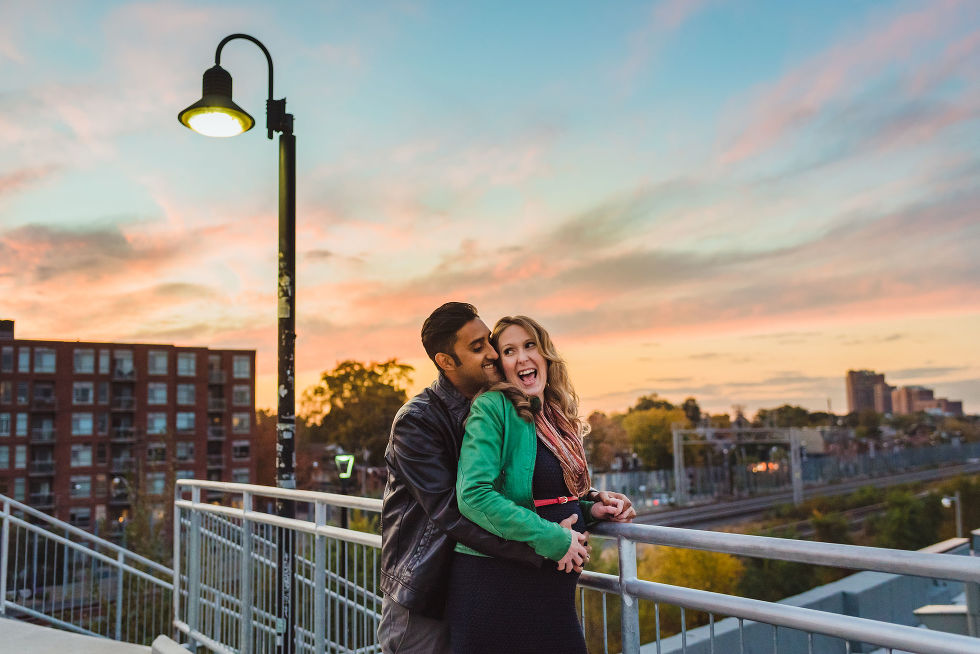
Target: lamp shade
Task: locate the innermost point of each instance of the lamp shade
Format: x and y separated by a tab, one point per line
216	114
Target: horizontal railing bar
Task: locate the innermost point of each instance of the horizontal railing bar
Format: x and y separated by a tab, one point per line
99	556
81	533
883	634
337	533
316	497
918	564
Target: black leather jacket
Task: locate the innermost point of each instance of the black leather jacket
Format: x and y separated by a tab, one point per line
420	522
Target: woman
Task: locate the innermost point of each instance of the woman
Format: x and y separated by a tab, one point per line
522	470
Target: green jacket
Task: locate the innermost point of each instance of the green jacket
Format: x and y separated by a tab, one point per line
493	482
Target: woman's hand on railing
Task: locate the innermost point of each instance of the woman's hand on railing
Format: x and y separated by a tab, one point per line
615	507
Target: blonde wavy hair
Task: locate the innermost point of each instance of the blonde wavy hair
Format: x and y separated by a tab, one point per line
558	391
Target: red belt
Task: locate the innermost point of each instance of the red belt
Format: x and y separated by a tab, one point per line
556	500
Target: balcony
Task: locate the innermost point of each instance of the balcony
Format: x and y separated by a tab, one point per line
216	404
42	500
216	461
119	499
216	376
44	404
123	434
43	468
42	434
122	465
121	374
216	433
123	403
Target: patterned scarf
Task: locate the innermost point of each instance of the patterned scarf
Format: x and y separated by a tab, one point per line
559	436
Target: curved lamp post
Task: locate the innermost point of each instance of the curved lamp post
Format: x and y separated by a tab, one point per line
216	114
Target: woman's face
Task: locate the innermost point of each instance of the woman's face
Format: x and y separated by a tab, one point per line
522	363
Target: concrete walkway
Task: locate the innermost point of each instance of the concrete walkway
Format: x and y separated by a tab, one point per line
18	637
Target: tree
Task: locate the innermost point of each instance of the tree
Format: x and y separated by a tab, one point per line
353	405
265	447
869	423
649	431
692	411
909	522
784	416
606	440
652	401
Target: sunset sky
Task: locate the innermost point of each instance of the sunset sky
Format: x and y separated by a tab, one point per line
735	200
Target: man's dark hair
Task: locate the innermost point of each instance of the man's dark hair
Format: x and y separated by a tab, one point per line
439	329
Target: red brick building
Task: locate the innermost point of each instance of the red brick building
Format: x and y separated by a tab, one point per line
85	426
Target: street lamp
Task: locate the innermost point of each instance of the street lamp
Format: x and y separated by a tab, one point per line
949	501
216	114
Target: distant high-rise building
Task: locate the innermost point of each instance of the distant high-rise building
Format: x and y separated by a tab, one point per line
913	399
84	426
867	389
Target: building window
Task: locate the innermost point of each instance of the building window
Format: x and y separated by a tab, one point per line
44	358
185	421
185	451
186	394
21	424
102	392
239	423
241	395
104	362
157	362
122	363
20	489
156	423
155	483
81	486
185	474
7	358
156	452
80	516
84	361
81	424
156	393
82	392
23	392
240	475
81	455
101	423
4	457
24	359
239	449
20	457
6	392
4	424
241	368
186	364
101	454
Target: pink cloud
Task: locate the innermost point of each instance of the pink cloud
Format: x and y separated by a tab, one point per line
664	17
801	94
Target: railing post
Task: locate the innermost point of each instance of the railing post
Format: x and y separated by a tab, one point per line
245	581
319	580
630	604
194	565
4	548
121	560
176	578
972	590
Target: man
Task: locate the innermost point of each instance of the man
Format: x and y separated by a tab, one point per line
420	521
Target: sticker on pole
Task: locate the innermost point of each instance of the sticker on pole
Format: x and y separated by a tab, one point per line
345	465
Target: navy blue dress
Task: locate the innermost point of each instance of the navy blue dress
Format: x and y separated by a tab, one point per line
498	606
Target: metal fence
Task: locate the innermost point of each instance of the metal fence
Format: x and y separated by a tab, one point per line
56	574
226	592
655	488
225	562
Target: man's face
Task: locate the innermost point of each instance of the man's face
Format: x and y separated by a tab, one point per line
476	357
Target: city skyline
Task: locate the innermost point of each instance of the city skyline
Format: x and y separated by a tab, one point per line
733	201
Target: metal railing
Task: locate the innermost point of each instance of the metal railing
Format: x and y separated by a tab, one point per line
225	560
55	574
226	592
